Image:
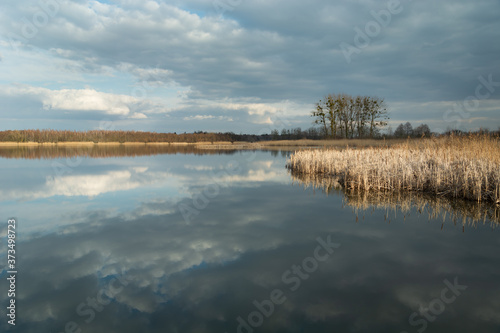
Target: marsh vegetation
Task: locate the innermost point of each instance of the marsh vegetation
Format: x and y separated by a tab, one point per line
465	167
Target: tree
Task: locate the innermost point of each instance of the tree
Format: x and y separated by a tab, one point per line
408	129
345	116
377	113
320	116
422	130
297	133
333	113
361	115
345	106
400	131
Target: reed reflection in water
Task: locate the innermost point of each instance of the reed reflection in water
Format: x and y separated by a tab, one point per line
469	213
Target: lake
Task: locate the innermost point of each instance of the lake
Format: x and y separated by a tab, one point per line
189	240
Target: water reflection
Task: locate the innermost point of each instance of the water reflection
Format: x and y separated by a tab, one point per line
125	260
466	212
103	151
38	187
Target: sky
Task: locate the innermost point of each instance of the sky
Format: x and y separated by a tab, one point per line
245	66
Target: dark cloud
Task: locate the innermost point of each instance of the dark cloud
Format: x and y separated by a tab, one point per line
280	50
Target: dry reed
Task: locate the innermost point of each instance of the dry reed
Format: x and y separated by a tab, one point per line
466	167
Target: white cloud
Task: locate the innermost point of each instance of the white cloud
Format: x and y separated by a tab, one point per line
87	99
138	115
199	167
199	117
88	185
207	117
77	99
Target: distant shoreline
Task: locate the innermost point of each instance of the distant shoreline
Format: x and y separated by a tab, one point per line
90	143
220	144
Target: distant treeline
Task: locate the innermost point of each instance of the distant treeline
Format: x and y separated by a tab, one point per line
96	136
48	135
313	133
407	130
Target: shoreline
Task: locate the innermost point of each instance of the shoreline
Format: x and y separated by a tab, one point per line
90	144
221	144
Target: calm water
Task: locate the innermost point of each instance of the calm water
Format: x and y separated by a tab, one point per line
227	242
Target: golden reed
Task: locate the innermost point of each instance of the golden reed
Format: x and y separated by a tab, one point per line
466	167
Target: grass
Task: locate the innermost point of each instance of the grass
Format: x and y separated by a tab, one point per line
466	167
292	145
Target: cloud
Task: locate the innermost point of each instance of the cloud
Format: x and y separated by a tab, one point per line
88	185
62	180
199	117
207	117
87	99
138	115
255	55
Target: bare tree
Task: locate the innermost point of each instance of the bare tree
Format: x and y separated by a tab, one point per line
320	116
422	130
400	131
345	115
408	129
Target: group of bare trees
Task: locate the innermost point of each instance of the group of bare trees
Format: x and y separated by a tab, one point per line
346	116
407	130
312	133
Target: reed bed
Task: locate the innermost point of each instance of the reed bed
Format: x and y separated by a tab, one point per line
338	143
466	167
